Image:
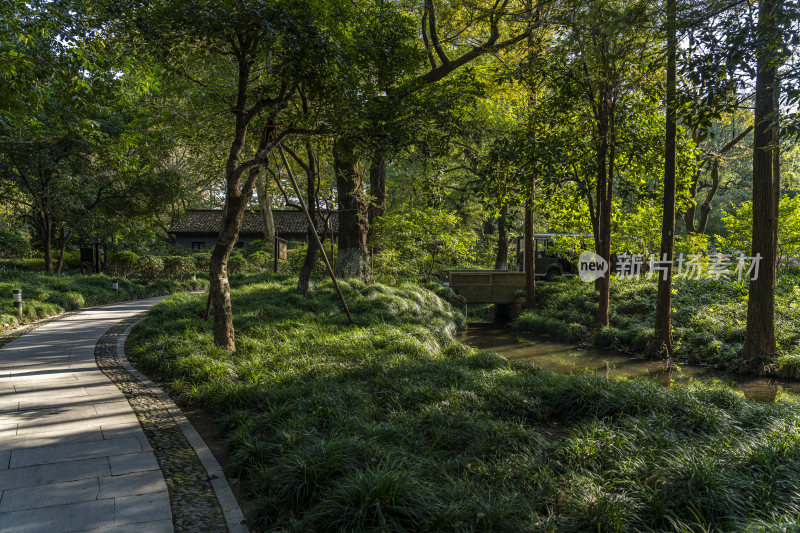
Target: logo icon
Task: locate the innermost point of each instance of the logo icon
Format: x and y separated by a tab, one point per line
591	266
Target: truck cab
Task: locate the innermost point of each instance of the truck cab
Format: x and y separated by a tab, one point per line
548	261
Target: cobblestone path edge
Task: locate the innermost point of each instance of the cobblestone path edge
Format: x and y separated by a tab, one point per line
200	497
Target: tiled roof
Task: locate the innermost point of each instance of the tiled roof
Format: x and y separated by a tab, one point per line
208	221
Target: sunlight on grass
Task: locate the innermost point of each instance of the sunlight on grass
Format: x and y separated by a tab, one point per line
390	425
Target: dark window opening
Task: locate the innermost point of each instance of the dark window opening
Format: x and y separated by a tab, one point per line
198	245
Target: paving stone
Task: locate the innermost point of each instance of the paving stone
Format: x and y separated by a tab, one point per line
144	507
84	446
33	427
82	490
60	518
52	416
133	462
113	408
132	484
158	526
119	431
47	438
28	476
109	395
70	452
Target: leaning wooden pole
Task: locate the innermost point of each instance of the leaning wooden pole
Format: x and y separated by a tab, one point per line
314	231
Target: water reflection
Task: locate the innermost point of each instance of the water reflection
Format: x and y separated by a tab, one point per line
567	359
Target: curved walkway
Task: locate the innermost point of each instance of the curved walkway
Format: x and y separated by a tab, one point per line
73	455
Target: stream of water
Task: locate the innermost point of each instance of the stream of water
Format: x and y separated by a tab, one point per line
567	359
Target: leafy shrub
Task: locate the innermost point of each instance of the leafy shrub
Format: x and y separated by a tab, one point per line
123	264
28	264
34	309
202	260
237	264
296	255
259	260
12	244
256	246
575	332
8	320
178	267
606	336
634	308
534	322
68	300
150	268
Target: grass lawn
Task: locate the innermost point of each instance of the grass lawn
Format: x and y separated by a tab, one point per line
390	425
45	295
709	316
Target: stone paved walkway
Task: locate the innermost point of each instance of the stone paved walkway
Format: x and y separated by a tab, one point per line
73	456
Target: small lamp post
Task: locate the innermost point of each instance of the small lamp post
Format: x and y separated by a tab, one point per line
115	286
194	277
18	300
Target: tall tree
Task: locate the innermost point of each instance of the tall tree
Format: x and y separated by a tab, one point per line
245	60
397	80
606	62
663	322
760	331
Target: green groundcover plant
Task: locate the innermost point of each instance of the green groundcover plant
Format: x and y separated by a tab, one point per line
709	316
391	425
46	295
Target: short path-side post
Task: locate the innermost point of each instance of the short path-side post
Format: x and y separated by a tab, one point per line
18	301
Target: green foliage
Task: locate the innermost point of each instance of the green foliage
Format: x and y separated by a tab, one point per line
739	226
260	259
237	264
390	425
123	264
202	260
68	300
150	267
29	264
692	244
178	267
45	295
12	244
417	243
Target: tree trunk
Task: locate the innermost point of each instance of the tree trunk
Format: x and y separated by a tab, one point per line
232	215
530	256
62	251
691	209
760	332
353	258
265	207
311	204
605	156
776	167
705	209
377	186
46	228
663	325
501	261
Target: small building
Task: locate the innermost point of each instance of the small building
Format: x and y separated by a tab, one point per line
200	227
